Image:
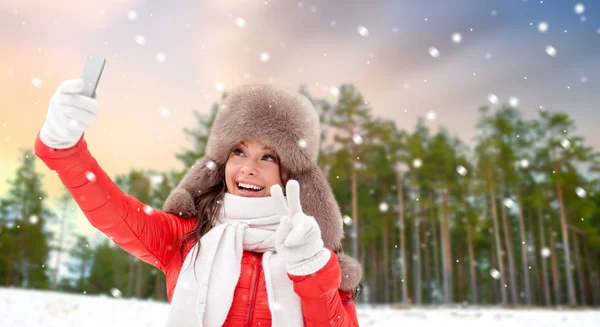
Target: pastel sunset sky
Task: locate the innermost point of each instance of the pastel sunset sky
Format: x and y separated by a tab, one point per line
180	55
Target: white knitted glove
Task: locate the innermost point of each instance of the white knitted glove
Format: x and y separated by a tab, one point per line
69	115
298	237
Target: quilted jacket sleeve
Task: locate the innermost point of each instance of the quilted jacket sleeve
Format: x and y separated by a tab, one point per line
323	304
147	234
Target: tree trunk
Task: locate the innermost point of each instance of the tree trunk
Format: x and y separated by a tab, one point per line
536	283
565	240
446	250
426	257
461	276
400	196
547	299
354	203
512	271
139	279
434	244
524	255
59	249
131	276
386	261
579	265
10	262
497	238
494	263
373	275
160	290
472	268
592	269
555	273
417	286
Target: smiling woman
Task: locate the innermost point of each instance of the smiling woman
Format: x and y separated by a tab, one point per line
275	261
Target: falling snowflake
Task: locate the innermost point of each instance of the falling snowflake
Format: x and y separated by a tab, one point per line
33	219
524	163
139	39
302	143
148	209
551	51
211	165
161	57
513	101
357	139
431	116
115	292
417	163
565	143
90	176
456	37
492	98
157	178
580	192
347	220
363	31
240	22
435	53
164	112
579	8
543	27
508	203
461	170
545	252
132	15
495	274
383	207
584	79
219	86
335	91
265	56
36	82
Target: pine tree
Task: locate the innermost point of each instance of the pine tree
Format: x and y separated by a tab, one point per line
25	237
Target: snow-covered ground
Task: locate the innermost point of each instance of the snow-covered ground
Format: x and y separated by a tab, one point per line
42	308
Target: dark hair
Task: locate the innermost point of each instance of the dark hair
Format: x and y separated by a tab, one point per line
208	205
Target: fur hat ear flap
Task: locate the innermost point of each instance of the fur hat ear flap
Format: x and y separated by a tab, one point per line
317	200
182	200
351	272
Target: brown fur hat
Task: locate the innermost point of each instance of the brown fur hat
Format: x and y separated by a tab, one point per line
286	122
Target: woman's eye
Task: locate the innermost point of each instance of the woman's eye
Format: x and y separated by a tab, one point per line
237	151
270	158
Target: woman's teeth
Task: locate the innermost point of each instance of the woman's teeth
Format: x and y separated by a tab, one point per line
245	186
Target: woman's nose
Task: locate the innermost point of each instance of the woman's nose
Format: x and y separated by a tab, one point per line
248	168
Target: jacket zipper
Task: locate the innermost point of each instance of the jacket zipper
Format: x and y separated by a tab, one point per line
255	278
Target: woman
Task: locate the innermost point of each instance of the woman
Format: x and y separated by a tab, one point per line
234	249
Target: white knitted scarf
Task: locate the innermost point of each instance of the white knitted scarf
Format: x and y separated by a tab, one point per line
204	290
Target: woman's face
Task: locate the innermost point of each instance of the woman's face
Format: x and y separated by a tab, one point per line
252	169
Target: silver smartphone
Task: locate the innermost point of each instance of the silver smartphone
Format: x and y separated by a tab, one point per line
94	65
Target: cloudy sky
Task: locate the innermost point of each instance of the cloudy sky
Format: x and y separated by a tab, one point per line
166	59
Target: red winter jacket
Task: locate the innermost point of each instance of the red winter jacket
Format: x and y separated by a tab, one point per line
152	238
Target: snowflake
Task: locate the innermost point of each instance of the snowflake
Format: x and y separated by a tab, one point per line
363	31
